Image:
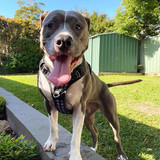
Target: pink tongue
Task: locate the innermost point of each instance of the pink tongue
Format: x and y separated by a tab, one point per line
60	75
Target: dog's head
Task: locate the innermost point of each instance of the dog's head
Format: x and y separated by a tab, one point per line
64	38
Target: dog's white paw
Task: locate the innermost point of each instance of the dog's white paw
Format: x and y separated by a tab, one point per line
94	149
50	145
121	157
75	156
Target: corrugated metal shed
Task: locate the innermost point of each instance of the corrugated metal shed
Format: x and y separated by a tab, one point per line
112	52
150	55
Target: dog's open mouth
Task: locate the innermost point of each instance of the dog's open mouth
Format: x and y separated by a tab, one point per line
61	73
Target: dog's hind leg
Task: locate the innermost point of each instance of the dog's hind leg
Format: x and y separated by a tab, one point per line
110	111
50	144
89	122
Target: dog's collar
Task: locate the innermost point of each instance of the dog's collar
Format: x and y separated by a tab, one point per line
58	92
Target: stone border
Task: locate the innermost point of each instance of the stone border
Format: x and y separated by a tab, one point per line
25	120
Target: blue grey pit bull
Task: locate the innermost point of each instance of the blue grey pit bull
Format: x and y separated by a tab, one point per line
67	83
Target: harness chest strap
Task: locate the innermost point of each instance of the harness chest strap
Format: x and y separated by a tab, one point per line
59	92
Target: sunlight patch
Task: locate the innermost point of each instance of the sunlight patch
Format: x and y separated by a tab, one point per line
147	156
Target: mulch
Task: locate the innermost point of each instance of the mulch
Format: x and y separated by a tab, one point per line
4	127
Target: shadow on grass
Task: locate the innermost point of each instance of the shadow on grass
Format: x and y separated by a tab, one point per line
140	142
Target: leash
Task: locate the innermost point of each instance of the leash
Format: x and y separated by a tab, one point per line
59	92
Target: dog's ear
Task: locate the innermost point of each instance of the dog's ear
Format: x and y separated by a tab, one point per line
88	22
42	17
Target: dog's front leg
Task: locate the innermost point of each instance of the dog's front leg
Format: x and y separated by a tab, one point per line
50	144
78	121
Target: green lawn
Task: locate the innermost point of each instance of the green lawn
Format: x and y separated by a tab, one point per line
138	109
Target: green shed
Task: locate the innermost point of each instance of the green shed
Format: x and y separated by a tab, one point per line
150	55
112	52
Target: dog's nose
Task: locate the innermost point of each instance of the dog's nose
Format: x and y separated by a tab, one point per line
64	42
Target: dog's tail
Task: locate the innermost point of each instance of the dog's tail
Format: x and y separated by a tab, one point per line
123	83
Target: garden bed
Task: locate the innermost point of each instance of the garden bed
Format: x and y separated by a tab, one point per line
13	146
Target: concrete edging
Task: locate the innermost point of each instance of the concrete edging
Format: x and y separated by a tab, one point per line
25	120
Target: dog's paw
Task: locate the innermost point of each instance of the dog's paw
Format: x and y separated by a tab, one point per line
49	146
74	156
93	149
121	157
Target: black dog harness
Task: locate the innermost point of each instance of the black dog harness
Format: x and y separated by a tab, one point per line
59	92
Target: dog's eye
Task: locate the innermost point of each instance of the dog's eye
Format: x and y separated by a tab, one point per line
50	25
78	27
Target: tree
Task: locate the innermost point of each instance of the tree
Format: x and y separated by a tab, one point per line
30	11
140	18
99	23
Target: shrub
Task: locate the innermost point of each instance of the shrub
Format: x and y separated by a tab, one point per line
17	149
23	62
2	108
19	45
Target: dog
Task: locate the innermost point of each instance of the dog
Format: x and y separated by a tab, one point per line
68	84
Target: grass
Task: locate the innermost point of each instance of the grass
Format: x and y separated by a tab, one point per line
138	109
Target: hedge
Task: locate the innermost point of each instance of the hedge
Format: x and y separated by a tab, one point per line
20	50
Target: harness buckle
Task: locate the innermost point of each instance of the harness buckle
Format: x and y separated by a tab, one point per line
57	94
59	91
78	74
